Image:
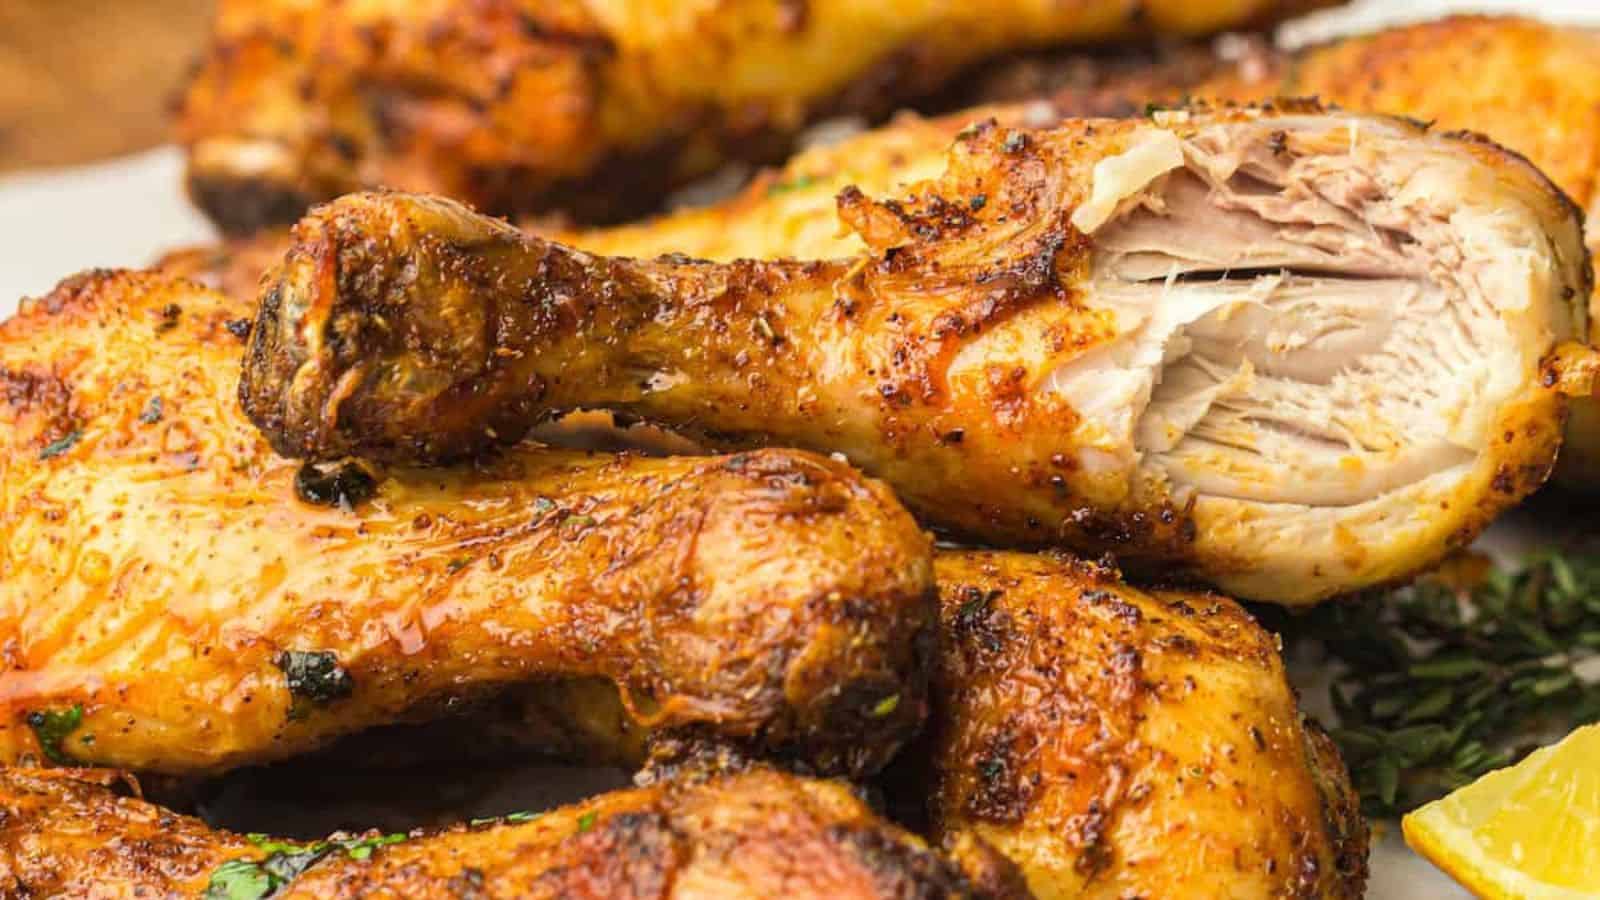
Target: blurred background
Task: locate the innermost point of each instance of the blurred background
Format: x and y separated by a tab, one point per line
87	178
82	80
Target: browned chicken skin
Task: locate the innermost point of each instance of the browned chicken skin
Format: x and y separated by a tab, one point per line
1115	743
168	604
1036	347
1532	86
596	107
754	834
1083	729
1128	695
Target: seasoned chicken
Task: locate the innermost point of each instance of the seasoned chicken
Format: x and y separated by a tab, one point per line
597	107
1532	86
755	834
174	598
1116	743
1292	352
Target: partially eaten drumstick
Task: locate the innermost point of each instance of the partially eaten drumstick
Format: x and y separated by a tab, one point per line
1292	352
174	598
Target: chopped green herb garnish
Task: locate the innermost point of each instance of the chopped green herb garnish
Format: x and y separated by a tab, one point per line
61	445
361	848
543	505
799	182
286	867
459	563
251	879
247	879
580	521
238	879
886	706
974	607
152	411
315	676
51	727
586	821
1441	682
507	819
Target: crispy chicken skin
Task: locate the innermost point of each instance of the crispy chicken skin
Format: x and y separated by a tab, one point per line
1532	86
1116	743
1292	352
757	834
597	106
159	571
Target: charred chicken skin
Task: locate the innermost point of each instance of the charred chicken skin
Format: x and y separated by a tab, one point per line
175	598
757	834
1292	352
595	107
1088	731
1129	694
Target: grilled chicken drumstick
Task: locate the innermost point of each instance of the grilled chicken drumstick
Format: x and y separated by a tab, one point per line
1115	743
169	604
755	834
594	107
1296	353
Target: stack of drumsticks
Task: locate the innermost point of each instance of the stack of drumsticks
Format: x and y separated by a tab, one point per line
1281	350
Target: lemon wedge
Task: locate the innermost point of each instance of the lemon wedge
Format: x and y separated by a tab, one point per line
1530	831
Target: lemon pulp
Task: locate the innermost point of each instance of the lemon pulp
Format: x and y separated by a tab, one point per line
1528	831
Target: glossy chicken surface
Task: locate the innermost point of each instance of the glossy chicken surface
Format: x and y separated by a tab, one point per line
1116	743
597	106
1532	86
175	598
1292	352
755	834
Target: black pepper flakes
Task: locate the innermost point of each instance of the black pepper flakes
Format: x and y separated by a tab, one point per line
61	445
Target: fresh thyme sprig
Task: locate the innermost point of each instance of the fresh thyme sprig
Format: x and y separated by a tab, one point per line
1449	678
